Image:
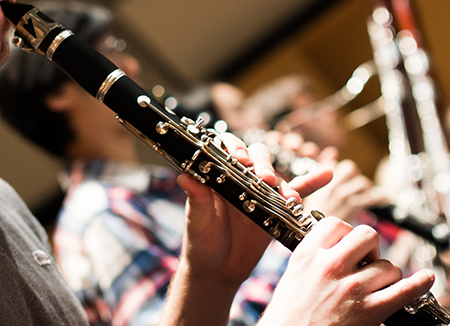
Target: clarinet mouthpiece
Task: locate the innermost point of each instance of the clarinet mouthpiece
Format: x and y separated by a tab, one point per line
14	11
34	29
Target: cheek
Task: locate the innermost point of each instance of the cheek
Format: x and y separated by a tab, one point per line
4	44
4	52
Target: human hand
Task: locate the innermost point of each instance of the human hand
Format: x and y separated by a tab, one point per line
325	285
220	242
347	194
293	155
221	246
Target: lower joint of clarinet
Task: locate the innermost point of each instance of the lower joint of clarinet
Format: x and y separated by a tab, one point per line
268	221
186	166
221	178
204	167
157	148
242	196
199	178
275	232
297	210
249	205
162	128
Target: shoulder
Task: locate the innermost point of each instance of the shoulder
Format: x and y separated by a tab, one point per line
9	197
15	215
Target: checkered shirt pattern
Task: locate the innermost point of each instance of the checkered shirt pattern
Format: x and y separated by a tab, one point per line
117	243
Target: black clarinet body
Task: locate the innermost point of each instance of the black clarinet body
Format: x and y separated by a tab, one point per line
184	143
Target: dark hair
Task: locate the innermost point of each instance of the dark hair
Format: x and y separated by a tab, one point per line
26	79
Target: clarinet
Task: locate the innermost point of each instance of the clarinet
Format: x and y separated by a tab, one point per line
184	143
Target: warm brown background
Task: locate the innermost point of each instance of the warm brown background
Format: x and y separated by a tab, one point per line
181	42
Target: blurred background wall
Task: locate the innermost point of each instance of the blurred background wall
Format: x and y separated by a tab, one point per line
245	42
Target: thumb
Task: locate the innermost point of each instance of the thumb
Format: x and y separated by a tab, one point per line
200	201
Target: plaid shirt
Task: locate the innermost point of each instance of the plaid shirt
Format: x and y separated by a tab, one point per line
117	242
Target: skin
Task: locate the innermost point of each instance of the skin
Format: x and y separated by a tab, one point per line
347	194
4	30
325	266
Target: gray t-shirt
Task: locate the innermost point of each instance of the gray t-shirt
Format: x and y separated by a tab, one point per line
32	291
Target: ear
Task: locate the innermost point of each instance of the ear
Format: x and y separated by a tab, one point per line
62	99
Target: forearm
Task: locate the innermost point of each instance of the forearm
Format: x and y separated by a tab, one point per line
196	302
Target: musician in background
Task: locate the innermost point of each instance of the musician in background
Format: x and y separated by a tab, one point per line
32	293
284	104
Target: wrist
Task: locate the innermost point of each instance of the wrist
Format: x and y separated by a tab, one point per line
200	281
193	300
